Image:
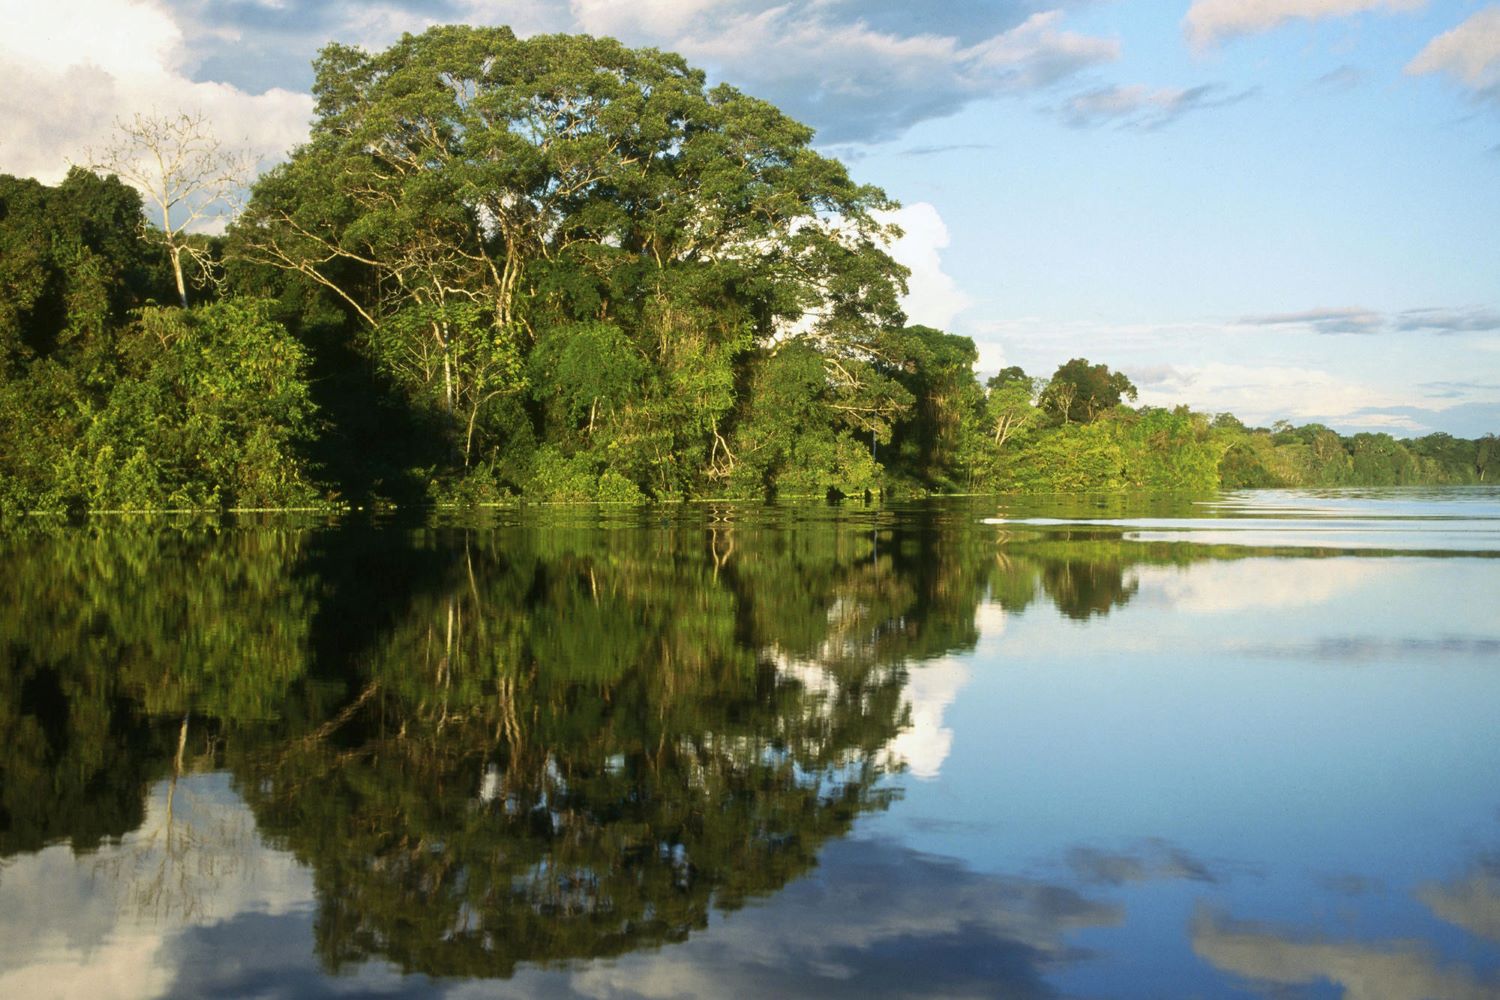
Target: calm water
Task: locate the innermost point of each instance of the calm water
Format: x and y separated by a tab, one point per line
1116	748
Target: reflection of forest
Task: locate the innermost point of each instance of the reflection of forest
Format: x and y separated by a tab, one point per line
508	743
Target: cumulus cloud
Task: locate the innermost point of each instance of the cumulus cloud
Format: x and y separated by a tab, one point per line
857	71
933	298
107	925
924	745
854	82
852	930
73	70
1209	22
1137	106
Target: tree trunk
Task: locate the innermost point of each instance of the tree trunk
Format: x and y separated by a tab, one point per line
175	252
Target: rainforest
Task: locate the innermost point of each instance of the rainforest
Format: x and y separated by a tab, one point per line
554	269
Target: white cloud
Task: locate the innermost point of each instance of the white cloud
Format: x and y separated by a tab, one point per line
1469	52
933	297
103	925
930	690
854	82
124	967
1254	584
1209	22
1378	971
847	927
657	17
72	70
1261	394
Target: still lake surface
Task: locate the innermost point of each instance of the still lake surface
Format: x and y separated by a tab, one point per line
1247	747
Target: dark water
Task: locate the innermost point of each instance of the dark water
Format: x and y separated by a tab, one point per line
1120	748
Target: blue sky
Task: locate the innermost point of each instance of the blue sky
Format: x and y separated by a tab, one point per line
1282	208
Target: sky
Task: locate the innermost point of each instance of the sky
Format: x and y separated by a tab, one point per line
1284	209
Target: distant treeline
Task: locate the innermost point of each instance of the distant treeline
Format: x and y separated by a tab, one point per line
555	268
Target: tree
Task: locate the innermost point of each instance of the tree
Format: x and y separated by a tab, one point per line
1078	391
186	175
72	262
937	369
1010	404
559	182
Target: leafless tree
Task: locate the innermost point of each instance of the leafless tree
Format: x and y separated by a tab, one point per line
187	176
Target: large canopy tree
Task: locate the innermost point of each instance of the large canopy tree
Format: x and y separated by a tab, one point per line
1078	391
466	193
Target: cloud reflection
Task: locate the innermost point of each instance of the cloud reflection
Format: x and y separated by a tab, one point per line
877	919
1472	903
875	915
1397	970
1154	860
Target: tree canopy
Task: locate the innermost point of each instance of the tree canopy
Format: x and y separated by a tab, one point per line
1079	392
558	268
471	198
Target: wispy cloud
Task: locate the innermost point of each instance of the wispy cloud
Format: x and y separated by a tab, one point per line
1209	22
1344	77
1154	860
1347	319
1261	394
1355	319
955	147
1136	106
1471	320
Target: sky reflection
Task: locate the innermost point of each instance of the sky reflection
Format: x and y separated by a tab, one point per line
923	758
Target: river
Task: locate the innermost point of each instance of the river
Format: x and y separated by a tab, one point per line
1240	746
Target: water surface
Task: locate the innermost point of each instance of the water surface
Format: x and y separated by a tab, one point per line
1116	747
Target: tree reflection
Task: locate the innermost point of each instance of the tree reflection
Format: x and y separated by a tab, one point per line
572	744
499	743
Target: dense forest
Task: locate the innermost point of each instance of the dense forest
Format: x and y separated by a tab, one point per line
555	268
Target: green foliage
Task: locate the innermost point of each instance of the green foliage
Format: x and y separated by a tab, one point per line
1079	392
567	269
578	479
1169	450
581	372
73	261
1074	458
191	408
532	743
936	442
789	440
640	230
